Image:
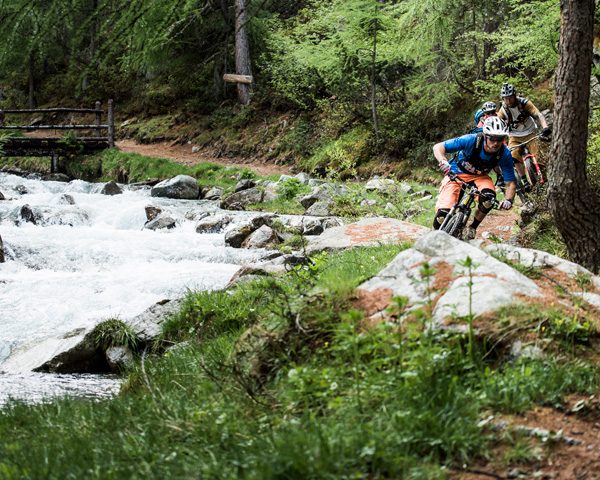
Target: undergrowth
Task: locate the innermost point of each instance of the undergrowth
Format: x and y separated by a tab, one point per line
280	378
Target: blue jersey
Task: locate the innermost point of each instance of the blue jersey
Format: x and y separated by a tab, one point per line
478	163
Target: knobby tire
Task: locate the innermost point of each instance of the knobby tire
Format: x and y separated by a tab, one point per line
531	172
520	192
454	226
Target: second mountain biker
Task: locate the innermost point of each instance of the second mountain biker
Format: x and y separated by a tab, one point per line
477	155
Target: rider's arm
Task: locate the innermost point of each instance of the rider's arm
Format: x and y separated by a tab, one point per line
511	190
506	164
501	114
536	114
439	152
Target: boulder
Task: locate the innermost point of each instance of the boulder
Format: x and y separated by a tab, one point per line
2	197
111	188
283	178
56	177
148	324
66	199
315	182
319	194
235	237
529	257
182	187
76	351
261	238
495	284
195	215
303	177
1	251
405	188
240	200
70	215
195	149
331	222
213	193
313	227
262	219
213	224
161	222
152	212
21	189
379	184
320	209
119	358
27	214
367	202
366	232
275	264
244	184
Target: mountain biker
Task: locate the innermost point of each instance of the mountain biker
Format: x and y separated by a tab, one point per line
477	155
521	115
487	110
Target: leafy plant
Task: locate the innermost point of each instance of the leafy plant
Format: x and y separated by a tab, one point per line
291	187
114	333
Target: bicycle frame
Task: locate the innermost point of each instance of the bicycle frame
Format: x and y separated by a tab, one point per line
465	202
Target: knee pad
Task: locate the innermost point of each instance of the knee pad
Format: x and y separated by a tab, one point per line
486	200
440	215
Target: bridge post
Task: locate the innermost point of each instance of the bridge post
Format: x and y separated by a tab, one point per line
98	115
54	163
111	125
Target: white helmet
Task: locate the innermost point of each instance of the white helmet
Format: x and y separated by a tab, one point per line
495	126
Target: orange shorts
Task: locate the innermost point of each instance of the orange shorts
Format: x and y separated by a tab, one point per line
449	190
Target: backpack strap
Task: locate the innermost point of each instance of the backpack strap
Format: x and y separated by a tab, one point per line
474	159
523	114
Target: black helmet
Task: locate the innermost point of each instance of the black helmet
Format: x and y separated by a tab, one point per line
489	107
507	90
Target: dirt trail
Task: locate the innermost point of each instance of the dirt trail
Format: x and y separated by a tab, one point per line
183	154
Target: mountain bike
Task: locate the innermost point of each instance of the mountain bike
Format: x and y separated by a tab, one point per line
458	216
532	167
533	171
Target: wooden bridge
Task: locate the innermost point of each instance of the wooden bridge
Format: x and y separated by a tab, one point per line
54	147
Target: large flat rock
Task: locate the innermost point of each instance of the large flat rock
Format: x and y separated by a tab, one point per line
364	233
494	283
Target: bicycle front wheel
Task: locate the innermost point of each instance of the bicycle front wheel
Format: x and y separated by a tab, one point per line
531	172
521	191
454	225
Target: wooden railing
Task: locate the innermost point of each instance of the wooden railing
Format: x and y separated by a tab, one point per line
56	146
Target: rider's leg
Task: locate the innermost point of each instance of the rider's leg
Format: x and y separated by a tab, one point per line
518	156
486	202
449	192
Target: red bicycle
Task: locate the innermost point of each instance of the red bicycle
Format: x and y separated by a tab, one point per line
533	171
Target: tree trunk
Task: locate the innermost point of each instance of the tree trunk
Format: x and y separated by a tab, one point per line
373	78
32	102
242	51
574	206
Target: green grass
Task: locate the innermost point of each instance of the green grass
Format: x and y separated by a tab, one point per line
277	378
114	333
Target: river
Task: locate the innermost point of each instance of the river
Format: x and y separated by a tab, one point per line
86	262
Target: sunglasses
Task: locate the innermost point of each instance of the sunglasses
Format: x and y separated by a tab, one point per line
496	138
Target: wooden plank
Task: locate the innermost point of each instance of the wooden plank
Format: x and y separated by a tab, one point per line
51	110
111	125
98	118
53	127
233	78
